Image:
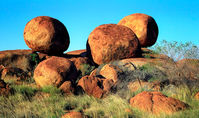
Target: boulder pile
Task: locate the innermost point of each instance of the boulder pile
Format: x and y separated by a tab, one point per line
114	53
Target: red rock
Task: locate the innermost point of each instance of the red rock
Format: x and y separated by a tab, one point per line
92	86
144	27
13	73
67	87
110	72
54	71
46	35
111	42
197	96
16	58
156	102
79	61
94	72
107	85
81	53
73	114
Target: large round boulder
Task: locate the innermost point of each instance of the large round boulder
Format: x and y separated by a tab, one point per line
144	27
54	71
46	35
110	42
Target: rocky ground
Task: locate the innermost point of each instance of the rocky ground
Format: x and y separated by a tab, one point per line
151	84
115	76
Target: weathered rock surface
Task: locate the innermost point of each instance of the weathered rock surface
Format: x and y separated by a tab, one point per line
95	86
47	35
160	61
110	72
111	42
17	58
79	61
67	87
144	27
73	114
54	71
156	102
136	85
12	73
78	53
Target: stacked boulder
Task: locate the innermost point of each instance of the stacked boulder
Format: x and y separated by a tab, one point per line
111	42
143	26
117	42
49	36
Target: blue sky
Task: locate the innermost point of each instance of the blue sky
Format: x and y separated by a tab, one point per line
178	20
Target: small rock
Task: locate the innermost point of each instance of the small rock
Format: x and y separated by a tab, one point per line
92	86
110	72
73	114
67	87
197	96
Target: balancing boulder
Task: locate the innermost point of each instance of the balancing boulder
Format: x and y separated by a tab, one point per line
144	27
111	42
47	35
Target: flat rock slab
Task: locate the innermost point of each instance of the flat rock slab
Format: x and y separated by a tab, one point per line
156	102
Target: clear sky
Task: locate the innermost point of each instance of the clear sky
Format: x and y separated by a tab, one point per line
178	20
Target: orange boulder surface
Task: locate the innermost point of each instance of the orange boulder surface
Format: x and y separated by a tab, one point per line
111	42
143	26
46	35
54	71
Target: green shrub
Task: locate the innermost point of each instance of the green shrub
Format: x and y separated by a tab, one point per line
177	50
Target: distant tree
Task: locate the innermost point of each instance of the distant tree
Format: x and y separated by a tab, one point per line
177	50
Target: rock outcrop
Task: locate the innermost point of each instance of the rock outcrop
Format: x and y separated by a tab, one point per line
17	58
95	86
54	71
46	35
156	102
144	27
111	42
